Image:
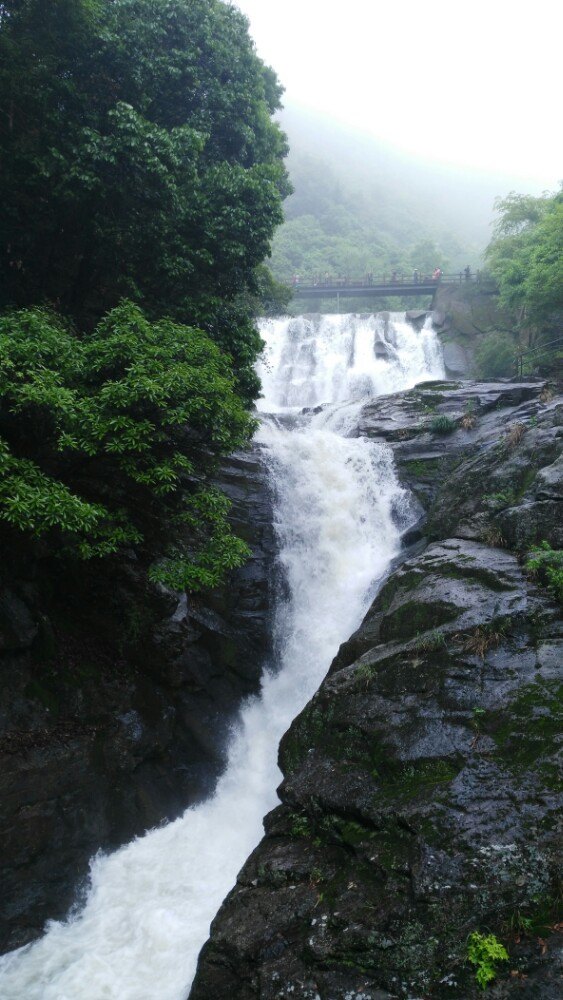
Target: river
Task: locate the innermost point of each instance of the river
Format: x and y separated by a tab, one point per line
339	515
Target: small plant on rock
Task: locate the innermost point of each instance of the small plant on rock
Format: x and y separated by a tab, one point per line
442	424
478	718
484	637
299	826
364	673
500	500
485	952
519	924
316	876
429	642
493	537
469	418
547	564
514	435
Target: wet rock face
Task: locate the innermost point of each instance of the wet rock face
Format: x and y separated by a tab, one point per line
457	360
420	800
483	458
463	315
116	699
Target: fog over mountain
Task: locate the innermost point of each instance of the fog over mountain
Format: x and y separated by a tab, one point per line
359	204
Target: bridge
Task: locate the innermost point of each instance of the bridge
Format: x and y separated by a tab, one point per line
375	287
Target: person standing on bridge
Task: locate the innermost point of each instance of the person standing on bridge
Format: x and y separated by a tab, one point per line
415	276
467	273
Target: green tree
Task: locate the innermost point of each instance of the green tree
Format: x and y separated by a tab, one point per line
267	297
109	440
425	256
139	159
526	258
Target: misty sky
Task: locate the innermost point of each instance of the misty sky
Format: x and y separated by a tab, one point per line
477	84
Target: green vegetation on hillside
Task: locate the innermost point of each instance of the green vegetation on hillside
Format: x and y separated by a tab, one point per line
333	225
360	207
142	178
525	257
495	354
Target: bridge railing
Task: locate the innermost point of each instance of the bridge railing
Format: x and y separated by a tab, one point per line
550	353
393	280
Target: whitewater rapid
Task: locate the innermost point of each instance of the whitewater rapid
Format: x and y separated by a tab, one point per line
319	359
339	513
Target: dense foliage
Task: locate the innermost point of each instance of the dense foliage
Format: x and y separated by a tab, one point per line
139	159
103	439
142	177
526	258
485	951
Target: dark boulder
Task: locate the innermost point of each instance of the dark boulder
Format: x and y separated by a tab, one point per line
18	627
457	360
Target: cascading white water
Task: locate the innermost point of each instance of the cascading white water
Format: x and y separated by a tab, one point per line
318	359
338	512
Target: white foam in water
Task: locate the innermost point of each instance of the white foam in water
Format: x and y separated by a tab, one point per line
310	360
337	510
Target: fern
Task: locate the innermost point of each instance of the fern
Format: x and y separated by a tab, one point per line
485	952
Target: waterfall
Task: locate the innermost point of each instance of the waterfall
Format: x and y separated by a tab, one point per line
311	360
339	511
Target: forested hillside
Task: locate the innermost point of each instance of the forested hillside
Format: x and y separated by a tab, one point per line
359	207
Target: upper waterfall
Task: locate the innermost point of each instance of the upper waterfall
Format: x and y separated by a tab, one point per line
316	359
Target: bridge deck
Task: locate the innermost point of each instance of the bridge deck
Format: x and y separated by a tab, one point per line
367	287
350	290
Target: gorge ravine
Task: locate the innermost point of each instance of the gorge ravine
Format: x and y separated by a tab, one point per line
339	513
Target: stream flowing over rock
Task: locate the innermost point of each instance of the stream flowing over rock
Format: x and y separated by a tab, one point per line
412	677
338	514
421	793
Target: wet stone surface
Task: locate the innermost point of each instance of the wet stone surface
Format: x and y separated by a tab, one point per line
421	796
116	701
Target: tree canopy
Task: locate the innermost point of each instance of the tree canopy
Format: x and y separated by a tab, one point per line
104	439
140	160
526	257
142	180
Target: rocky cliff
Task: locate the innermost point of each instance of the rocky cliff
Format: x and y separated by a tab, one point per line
116	701
464	315
420	797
